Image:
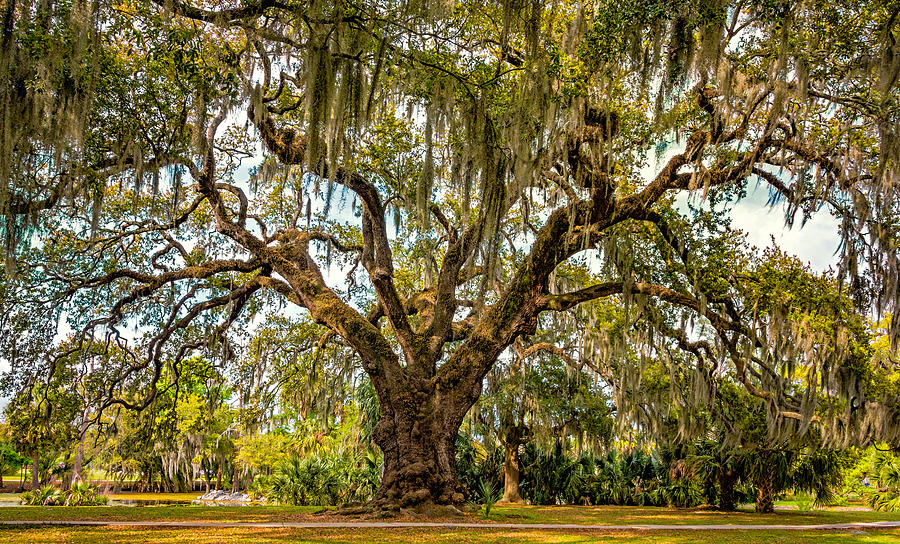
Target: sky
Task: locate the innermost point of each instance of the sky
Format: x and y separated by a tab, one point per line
815	243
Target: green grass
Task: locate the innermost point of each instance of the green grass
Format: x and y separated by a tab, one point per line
636	515
597	515
175	497
78	535
149	513
183	497
606	515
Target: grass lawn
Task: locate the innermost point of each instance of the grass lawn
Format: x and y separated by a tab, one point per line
636	515
74	535
598	515
606	515
181	497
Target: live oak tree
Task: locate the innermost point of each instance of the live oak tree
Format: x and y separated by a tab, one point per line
416	146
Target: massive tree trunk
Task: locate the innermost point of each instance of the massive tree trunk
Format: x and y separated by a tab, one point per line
417	433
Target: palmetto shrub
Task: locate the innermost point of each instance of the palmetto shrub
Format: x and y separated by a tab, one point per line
634	478
887	497
475	465
81	494
683	493
488	496
84	494
554	477
326	479
45	496
303	481
683	490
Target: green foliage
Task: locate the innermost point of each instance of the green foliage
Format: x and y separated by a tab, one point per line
40	417
488	495
683	476
475	464
683	493
321	480
44	496
262	452
84	494
714	464
820	472
804	501
187	423
9	458
556	476
883	470
80	494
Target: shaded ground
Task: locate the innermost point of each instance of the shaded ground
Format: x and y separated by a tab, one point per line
107	535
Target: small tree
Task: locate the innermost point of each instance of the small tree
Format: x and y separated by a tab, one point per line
40	419
721	467
9	459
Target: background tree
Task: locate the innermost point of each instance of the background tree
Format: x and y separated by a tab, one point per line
541	394
9	459
40	420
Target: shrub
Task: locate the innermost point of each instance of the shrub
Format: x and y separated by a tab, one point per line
323	480
887	497
489	496
45	496
683	493
82	494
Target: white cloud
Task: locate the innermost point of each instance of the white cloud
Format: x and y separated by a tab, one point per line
815	242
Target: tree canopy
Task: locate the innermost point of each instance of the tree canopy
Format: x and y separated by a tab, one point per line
432	181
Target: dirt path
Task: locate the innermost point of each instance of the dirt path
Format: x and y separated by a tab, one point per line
451	525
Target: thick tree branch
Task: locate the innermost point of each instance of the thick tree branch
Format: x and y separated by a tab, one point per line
220	17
